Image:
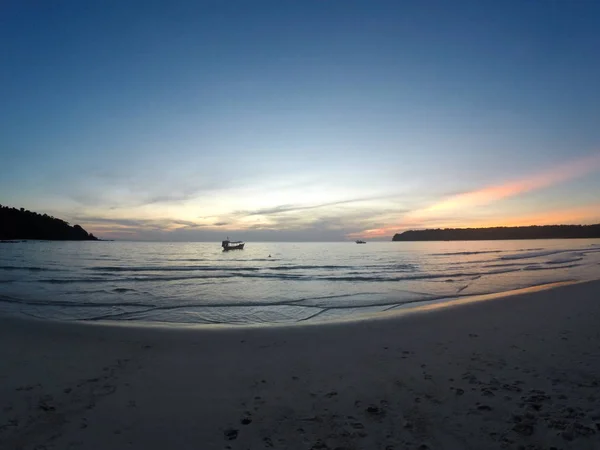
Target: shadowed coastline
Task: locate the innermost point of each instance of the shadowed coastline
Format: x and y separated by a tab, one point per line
23	224
502	233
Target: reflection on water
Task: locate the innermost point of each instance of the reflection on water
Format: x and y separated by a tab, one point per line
198	283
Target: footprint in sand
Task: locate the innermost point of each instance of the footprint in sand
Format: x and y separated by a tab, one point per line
375	410
45	405
230	434
28	387
486	392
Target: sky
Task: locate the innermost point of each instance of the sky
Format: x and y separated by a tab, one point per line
300	120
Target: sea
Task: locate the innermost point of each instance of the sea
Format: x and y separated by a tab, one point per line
271	283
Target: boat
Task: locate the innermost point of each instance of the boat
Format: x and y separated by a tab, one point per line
358	241
232	245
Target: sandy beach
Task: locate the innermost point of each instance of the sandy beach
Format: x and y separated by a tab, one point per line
515	372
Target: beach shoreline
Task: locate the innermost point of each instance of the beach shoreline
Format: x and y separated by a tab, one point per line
521	370
194	283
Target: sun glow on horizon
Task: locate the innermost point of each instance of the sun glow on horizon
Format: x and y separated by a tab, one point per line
584	215
291	208
467	204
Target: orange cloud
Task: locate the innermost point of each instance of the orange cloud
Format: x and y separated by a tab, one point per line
588	214
580	215
491	194
542	180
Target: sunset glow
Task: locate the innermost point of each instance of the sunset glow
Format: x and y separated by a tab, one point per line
198	121
467	204
491	194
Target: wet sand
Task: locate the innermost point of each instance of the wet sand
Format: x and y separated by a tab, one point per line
515	372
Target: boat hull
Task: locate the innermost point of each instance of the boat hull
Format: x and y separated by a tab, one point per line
233	247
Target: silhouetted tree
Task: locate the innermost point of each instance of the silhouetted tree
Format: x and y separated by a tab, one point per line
497	233
21	224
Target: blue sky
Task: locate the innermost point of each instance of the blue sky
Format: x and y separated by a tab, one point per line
312	120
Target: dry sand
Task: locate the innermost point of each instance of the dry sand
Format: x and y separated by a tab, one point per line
517	372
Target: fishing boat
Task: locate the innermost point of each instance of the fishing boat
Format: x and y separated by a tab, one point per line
358	241
232	245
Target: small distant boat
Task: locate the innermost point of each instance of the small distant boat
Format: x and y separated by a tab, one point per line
358	241
232	245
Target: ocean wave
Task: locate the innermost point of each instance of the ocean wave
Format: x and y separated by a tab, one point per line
73	280
21	301
287	267
149	307
300	311
539	254
348	277
308	267
565	260
490	266
537	267
171	269
483	252
30	268
127	279
184	283
228	259
532	254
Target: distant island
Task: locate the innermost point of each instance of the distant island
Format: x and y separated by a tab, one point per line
502	233
22	224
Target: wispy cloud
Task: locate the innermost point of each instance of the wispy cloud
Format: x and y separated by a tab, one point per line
141	186
100	225
118	222
454	210
373	217
333	220
281	209
541	180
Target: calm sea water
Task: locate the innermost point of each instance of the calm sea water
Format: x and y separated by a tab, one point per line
198	283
